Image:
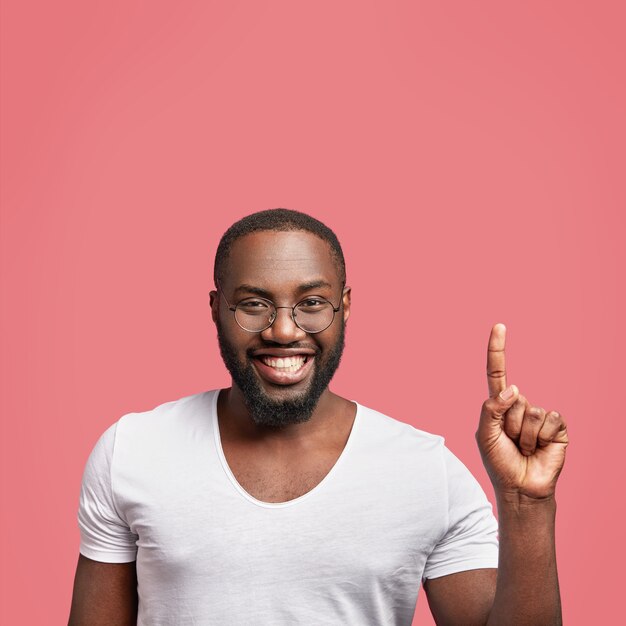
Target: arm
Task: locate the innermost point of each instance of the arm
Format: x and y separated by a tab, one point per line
463	598
523	590
105	585
105	594
523	450
528	587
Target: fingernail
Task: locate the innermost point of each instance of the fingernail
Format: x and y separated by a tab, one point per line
508	393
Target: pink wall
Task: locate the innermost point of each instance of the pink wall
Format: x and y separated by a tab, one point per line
470	157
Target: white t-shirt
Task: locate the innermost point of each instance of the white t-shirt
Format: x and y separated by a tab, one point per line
396	507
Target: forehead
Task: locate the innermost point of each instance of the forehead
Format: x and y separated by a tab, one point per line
277	260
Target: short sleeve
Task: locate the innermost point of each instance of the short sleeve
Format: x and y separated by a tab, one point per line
104	535
471	540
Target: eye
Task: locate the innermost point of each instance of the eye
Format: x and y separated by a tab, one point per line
253	305
312	303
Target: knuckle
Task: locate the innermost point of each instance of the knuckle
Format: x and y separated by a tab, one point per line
536	414
553	418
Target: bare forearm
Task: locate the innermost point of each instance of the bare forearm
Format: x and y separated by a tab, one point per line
527	590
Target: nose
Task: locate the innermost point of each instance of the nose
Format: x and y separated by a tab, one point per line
284	330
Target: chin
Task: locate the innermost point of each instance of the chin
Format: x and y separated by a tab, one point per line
281	405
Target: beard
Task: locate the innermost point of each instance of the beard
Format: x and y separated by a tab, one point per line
267	411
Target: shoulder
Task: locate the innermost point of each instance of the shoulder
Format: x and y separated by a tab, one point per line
405	443
151	432
150	442
398	444
168	416
383	428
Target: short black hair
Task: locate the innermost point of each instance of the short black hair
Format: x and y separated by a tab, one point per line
276	220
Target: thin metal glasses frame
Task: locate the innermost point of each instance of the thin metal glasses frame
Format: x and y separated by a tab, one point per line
233	308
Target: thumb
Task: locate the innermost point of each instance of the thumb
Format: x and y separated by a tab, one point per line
493	411
504	401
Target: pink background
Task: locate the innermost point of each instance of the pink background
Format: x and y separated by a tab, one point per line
470	156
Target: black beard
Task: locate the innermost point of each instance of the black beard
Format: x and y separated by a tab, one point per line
276	413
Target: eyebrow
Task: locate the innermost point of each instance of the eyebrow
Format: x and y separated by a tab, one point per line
263	293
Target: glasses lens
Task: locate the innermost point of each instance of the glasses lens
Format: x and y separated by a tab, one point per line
255	315
314	315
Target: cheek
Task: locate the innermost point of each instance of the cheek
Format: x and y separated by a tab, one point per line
333	341
230	342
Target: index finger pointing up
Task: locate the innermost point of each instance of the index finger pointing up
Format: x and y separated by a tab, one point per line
496	369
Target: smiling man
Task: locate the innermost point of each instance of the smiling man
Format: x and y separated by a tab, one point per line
276	501
288	358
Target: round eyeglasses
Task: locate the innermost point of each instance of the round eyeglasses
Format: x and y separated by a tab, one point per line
312	315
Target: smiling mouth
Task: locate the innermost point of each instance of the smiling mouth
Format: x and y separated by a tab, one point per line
283	370
285	364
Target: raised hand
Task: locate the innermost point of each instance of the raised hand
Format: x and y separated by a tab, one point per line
522	446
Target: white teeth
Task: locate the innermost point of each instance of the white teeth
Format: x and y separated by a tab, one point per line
285	364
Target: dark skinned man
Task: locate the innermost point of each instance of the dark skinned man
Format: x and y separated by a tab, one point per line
276	501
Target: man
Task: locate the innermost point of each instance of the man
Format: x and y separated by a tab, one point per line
278	502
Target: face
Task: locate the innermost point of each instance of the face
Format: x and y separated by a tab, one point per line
284	267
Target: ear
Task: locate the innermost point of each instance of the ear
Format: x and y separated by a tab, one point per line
214	302
347	300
